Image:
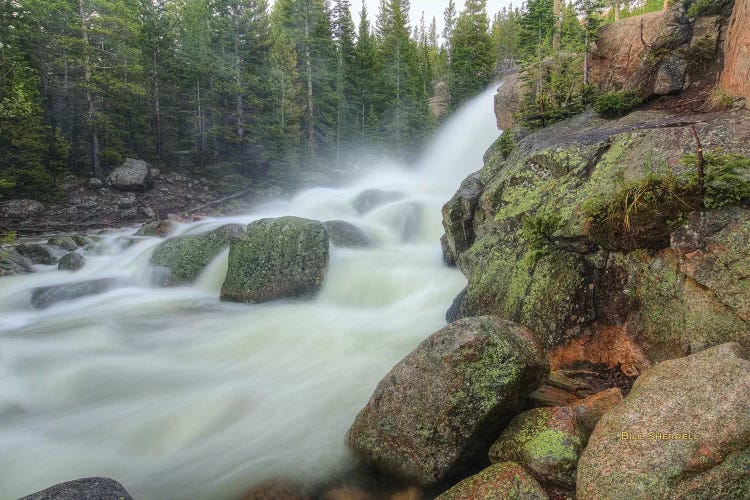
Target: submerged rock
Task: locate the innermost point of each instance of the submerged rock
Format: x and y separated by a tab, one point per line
373	198
501	481
277	258
71	262
682	432
92	488
12	262
344	234
433	417
65	242
187	256
40	254
277	489
44	297
132	175
160	228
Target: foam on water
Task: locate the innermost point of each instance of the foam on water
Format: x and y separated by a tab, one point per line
178	395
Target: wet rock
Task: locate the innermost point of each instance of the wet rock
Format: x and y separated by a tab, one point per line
71	262
591	409
373	198
344	234
277	258
458	215
692	418
187	256
508	101
42	298
448	257
39	254
148	212
434	415
65	242
92	488
12	262
276	490
547	395
545	441
160	228
126	203
347	494
561	380
132	175
501	481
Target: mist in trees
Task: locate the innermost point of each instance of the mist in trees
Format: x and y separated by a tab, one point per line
254	91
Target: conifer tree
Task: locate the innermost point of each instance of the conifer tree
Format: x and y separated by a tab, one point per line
472	58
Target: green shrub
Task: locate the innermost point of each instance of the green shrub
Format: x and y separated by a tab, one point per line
710	8
538	231
506	144
7	236
617	103
727	178
111	157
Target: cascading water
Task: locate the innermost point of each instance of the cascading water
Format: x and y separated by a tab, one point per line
178	395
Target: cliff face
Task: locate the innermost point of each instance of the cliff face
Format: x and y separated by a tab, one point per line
660	53
631	297
736	75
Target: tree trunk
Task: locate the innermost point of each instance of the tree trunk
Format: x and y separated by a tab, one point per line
557	9
310	107
91	111
586	59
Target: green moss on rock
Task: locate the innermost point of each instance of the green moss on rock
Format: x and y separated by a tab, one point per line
502	481
278	258
187	256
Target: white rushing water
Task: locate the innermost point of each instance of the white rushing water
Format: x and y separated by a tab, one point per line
178	395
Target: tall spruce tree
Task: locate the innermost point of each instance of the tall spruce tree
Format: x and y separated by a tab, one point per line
472	61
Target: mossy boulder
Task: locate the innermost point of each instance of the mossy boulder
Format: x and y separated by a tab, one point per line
187	256
72	261
542	256
277	258
40	254
346	235
12	262
433	416
682	432
546	441
160	228
65	242
501	481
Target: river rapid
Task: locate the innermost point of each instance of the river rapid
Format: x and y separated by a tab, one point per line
178	395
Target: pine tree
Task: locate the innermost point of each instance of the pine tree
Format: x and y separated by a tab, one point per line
472	60
346	109
366	70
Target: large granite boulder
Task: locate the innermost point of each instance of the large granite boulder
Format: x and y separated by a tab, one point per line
277	258
132	175
187	256
433	417
682	432
44	297
609	294
91	488
501	481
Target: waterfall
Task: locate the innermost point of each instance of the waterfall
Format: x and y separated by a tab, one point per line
178	395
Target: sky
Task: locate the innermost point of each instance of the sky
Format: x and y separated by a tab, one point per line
430	7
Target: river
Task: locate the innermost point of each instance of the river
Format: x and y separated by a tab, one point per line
178	395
